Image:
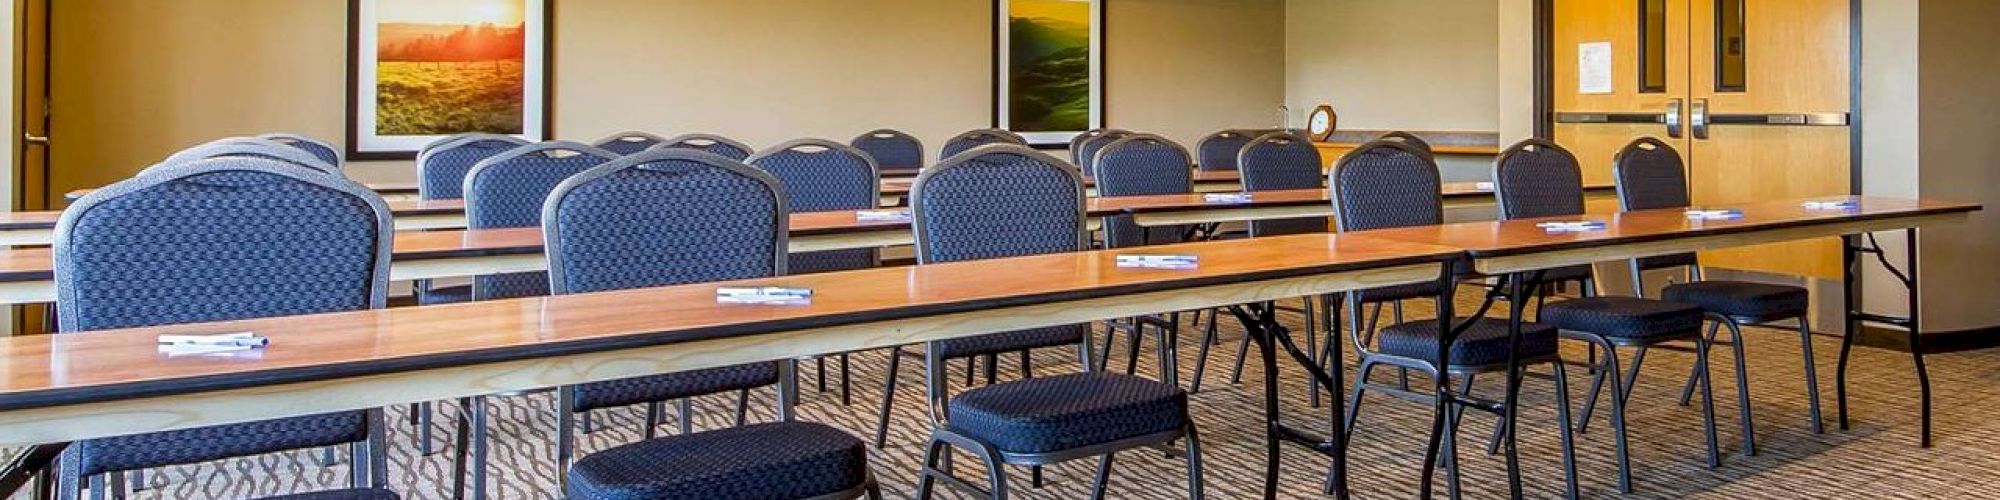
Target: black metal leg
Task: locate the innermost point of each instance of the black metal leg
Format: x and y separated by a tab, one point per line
1916	336
1812	374
1447	334
1103	476
1267	352
1851	322
846	382
888	397
1518	290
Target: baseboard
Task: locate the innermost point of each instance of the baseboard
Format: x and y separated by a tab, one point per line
1934	342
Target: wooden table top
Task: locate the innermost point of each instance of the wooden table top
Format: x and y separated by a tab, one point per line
1483	240
46	219
75	368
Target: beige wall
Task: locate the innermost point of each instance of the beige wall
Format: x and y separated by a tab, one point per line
1960	116
1404	64
137	79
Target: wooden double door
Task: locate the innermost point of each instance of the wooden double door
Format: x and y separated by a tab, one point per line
1755	95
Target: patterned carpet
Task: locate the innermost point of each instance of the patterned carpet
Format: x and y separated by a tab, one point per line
1877	458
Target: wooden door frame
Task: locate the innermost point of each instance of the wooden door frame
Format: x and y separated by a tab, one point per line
1545	116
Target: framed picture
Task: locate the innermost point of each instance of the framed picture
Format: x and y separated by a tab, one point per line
421	70
1048	76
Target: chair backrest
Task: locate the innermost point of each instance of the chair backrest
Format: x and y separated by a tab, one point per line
442	165
628	142
248	147
1386	184
709	143
1218	151
820	175
220	239
976	138
1001	200
891	148
1407	138
1139	165
1280	161
508	190
664	217
1076	144
320	149
1537	178
1086	150
1649	175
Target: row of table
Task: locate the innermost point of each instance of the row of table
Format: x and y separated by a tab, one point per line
56	388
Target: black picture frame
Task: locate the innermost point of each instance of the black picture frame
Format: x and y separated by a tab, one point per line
544	25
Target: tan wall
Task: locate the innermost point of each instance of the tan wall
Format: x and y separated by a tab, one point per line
1404	64
137	79
1960	157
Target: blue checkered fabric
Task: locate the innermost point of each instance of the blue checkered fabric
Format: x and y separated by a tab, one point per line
1062	412
821	176
994	202
1649	175
628	142
347	494
1757	302
1281	161
891	149
1624	317
1218	151
508	189
441	172
969	140
1086	150
1138	166
759	461
319	149
214	240
1484	343
661	218
1076	144
1537	178
711	144
248	147
1422	145
1380	185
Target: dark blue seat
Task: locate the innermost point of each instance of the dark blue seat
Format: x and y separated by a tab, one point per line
1483	344
1219	150
253	147
225	238
631	391
1048	414
625	143
891	148
1625	318
319	149
761	461
1754	302
1087	148
709	143
441	169
1007	201
347	494
976	138
506	190
824	176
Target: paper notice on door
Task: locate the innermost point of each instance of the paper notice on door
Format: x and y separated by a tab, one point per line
1593	68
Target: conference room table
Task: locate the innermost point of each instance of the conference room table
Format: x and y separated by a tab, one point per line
73	386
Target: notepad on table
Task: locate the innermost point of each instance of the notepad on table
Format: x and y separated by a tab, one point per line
1571	226
882	215
1159	261
766	295
1226	197
1833	205
1714	214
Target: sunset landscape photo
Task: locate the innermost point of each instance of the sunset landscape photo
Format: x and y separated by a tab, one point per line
450	66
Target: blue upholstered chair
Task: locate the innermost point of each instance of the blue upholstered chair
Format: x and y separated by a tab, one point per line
1005	201
248	147
1143	165
1649	175
891	148
670	217
823	176
1407	138
1086	150
182	245
1537	178
507	191
625	143
1389	184
1076	156
441	168
709	143
976	138
325	151
1219	150
1279	161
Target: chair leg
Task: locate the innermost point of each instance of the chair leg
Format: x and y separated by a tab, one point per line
1133	339
1027	364
888	397
1167	350
565	436
653	416
1242	350
820	373
1687	389
421	414
137	479
1354	399
476	407
1812	375
1449	452
117	486
1103	476
788	392
992	368
357	470
1208	340
97	487
378	448
1742	390
846	387
1568	439
924	478
687	416
1194	469
1707	401
743	406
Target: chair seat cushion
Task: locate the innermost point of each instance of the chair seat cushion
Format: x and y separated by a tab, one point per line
997	343
652	388
1567	273
350	494
1624	317
444	295
1741	299
202	444
1047	414
759	461
1484	343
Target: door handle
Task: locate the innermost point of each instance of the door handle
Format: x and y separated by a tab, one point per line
1698	118
35	140
1673	118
